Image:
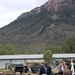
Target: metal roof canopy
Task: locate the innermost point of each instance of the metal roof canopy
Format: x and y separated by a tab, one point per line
31	56
59	56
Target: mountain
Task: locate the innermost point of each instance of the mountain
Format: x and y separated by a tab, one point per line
49	24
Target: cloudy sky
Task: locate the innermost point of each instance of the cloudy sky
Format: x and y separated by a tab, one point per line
11	9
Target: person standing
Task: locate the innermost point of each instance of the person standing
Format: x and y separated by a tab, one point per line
29	68
45	69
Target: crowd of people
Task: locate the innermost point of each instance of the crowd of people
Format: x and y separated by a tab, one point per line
45	69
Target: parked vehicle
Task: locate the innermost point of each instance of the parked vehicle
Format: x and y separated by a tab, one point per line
19	68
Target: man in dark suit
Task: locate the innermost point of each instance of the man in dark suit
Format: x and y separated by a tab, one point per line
45	69
29	69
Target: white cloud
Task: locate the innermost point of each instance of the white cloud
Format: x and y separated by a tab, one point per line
11	9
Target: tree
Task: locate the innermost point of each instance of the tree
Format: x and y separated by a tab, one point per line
9	50
55	49
66	49
2	50
6	50
47	56
69	47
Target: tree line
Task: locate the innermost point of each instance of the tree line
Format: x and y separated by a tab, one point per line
68	47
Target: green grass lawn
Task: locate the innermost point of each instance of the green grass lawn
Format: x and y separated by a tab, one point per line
2	70
6	71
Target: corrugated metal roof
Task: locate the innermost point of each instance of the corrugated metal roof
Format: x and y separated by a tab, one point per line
31	56
72	55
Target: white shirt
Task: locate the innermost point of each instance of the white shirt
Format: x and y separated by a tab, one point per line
29	69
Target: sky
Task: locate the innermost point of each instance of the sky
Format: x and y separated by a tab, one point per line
11	9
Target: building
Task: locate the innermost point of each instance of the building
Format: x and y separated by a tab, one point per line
19	59
61	56
58	57
23	59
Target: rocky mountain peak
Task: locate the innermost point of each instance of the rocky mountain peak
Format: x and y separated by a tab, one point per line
51	5
55	4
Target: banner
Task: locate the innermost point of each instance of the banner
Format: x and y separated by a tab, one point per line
72	67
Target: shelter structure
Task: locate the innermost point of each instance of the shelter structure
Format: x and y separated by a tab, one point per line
19	59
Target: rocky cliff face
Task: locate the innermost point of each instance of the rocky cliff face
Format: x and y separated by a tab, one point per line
56	4
61	6
52	5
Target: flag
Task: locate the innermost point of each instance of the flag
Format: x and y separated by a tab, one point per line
63	65
72	67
